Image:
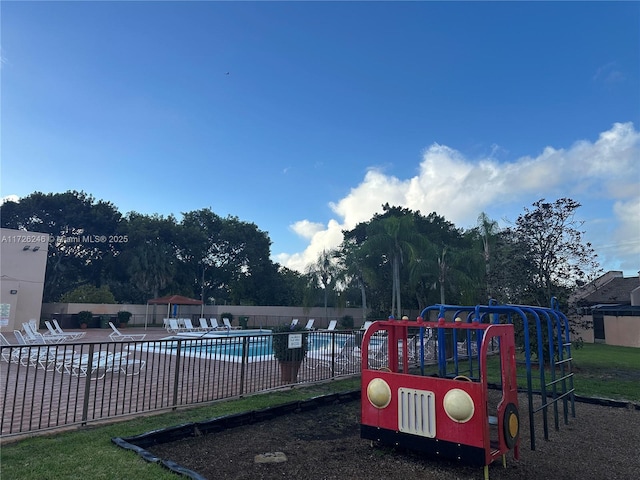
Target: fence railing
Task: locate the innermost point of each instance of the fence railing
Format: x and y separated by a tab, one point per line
46	387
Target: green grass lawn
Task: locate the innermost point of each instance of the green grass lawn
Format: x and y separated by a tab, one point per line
607	371
600	371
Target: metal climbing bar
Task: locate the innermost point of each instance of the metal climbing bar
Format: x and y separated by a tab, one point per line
544	341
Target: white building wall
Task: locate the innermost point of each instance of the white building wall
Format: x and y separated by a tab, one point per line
23	262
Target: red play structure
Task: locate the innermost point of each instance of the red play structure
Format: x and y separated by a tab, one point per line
451	417
472	417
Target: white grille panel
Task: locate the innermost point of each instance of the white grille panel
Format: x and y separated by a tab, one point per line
417	412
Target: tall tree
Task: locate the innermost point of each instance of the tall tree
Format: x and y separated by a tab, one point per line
83	233
556	255
352	267
488	230
288	288
149	258
445	262
511	270
323	273
227	257
393	236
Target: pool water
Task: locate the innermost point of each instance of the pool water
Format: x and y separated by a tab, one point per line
232	348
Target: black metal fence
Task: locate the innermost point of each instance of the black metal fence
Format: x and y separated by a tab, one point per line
52	386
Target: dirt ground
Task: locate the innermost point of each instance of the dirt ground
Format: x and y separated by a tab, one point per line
323	444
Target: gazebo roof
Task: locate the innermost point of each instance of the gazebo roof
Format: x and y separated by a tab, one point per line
174	300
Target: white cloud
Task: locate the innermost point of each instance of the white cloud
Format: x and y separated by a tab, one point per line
627	234
3	59
9	198
320	238
609	73
600	174
367	198
306	229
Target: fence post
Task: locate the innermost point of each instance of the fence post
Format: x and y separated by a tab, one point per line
245	362
87	383
177	375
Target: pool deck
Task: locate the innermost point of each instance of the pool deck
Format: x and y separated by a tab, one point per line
214	379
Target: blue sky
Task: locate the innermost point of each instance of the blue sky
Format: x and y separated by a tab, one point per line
305	117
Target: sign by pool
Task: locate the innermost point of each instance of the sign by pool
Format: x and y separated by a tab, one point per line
295	340
5	310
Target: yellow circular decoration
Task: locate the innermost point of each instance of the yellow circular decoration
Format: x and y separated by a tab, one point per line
458	405
379	393
513	425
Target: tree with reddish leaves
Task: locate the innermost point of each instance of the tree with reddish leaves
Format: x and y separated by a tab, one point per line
543	255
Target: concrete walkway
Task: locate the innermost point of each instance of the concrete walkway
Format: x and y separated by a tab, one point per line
96	335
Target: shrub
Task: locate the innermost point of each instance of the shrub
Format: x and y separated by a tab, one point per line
280	343
346	322
85	316
89	294
124	317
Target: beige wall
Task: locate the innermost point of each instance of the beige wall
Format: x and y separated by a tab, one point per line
585	333
622	331
23	262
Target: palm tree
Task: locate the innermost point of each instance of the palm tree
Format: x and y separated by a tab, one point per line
458	272
324	273
353	271
395	239
442	272
488	233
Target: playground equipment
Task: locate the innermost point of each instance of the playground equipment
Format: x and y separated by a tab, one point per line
449	388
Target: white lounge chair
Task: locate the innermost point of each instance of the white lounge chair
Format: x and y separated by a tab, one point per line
34	324
464	349
309	325
173	326
57	328
294	322
203	324
347	359
332	326
20	338
38	355
215	325
189	326
52	332
96	365
228	326
120	362
101	363
12	354
34	337
48	358
118	336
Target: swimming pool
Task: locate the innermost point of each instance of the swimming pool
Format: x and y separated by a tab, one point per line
232	347
224	333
